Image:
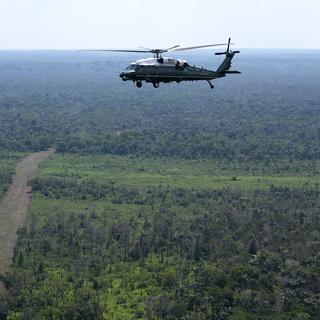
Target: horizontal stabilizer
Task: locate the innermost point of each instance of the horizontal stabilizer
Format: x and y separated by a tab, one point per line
232	72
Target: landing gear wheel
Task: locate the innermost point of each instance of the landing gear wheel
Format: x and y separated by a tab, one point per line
211	85
156	84
139	84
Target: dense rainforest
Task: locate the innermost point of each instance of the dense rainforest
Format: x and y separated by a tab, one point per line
77	103
171	203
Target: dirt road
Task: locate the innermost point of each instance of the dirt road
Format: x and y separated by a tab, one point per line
14	207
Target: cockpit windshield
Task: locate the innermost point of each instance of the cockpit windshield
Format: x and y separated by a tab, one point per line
130	67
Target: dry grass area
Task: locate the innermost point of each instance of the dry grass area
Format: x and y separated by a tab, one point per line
14	207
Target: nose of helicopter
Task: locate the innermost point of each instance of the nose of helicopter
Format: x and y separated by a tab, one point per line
126	74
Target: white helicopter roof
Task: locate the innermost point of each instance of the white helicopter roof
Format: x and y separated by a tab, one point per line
155	61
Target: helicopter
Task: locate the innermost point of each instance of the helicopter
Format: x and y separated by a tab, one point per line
161	69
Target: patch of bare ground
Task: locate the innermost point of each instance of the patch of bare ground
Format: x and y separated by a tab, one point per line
14	207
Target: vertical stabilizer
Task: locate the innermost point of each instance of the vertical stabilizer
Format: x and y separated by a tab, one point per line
226	64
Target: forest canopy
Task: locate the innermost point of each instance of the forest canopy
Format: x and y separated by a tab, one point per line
175	203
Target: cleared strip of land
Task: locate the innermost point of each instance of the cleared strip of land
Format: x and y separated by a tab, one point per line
14	207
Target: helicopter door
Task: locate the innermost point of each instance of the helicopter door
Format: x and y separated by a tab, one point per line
156	71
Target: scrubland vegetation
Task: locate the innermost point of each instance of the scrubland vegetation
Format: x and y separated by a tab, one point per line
8	161
177	203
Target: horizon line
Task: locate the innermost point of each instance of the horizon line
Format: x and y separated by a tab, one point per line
70	49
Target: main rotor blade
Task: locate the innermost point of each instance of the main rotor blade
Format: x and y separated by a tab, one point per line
102	50
198	47
169	49
160	50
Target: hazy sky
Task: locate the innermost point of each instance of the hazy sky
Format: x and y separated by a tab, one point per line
70	24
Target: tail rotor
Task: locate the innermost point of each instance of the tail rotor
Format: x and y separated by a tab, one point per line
228	51
225	66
